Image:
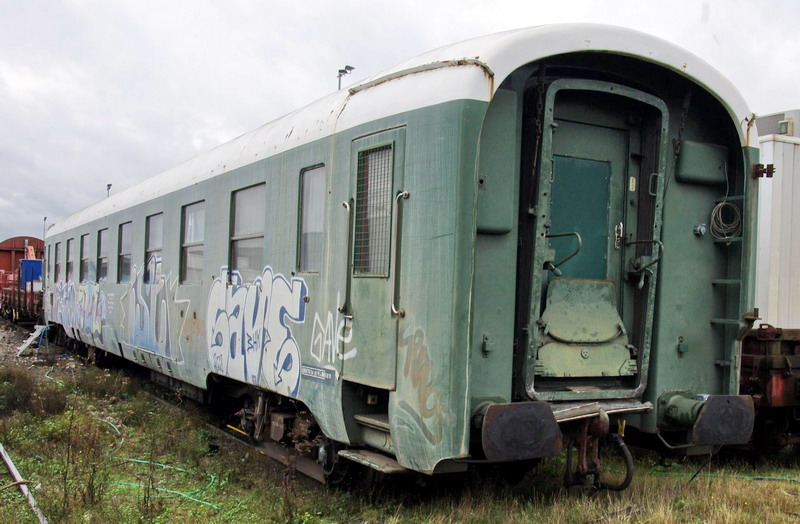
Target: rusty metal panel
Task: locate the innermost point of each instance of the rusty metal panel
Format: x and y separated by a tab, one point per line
568	411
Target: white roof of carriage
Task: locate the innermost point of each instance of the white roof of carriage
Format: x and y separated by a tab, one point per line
472	69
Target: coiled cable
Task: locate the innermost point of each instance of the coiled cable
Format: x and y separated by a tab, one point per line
722	228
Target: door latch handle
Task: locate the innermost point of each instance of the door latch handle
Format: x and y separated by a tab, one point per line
619	232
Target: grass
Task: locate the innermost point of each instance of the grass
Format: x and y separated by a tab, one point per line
98	449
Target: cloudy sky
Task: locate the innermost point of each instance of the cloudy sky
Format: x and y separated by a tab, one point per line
114	91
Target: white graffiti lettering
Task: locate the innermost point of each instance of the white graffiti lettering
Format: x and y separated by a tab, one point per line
325	338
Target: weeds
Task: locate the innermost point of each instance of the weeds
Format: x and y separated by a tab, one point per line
16	389
84	468
60	442
149	503
48	399
103	384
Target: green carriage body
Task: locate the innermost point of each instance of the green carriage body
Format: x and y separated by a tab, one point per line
510	243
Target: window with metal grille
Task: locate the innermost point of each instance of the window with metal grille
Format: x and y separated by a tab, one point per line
373	212
154	226
84	269
102	255
247	239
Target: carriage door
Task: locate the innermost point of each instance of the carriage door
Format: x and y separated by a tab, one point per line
599	145
376	173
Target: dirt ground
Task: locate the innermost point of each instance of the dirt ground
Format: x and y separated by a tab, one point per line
11	338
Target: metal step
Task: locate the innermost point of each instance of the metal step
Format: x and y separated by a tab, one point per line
729	240
378	421
382	463
725	321
567	411
726	282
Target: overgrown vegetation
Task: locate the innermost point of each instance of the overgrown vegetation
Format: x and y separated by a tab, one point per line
99	449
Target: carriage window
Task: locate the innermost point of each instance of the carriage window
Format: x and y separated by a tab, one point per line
373	212
192	238
49	264
247	240
84	269
312	218
70	261
57	272
153	246
124	251
102	255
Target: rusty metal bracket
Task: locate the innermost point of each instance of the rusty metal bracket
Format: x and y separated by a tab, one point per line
763	171
589	435
768	332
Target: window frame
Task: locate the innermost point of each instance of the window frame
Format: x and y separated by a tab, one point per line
122	255
186	247
102	256
83	267
57	270
149	250
70	261
301	267
234	239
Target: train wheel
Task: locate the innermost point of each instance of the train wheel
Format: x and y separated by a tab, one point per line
337	470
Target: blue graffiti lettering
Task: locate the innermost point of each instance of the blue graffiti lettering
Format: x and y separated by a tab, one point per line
247	329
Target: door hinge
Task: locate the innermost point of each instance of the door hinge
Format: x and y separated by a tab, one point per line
763	171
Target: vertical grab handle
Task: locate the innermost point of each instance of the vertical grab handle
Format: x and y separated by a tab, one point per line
348	207
395	228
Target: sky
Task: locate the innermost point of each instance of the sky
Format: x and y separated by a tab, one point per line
115	91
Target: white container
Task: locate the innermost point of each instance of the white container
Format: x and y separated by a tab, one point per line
778	261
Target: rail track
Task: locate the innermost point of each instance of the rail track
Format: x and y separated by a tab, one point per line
290	457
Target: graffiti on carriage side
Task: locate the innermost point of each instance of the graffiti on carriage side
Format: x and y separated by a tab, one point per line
328	337
425	406
248	332
82	307
146	309
66	305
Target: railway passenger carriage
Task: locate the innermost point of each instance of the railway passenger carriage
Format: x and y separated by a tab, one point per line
465	259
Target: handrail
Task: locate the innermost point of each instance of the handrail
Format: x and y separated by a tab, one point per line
348	207
395	227
634	263
550	265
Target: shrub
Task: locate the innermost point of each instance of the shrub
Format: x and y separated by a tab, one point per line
16	389
98	383
48	399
